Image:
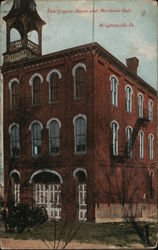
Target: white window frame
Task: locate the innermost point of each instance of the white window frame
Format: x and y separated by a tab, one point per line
30	129
48	79
48	127
82	65
74	123
31	83
151	147
114	90
10	132
129	131
129	92
140	105
10	89
141	144
115	127
150	108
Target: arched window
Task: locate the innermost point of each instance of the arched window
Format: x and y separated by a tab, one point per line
151	147
140	105
150	106
141	144
54	87
114	91
79	73
15	95
35	128
80	131
14	140
54	137
115	127
129	142
36	98
128	99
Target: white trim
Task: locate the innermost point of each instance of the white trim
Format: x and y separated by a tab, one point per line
32	77
11	81
114	77
47	171
79	115
51	72
129	127
141	156
74	74
141	95
30	126
53	119
114	101
113	122
127	85
14	171
11	125
79	169
150	111
77	66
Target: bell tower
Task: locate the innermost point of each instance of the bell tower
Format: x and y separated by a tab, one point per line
23	17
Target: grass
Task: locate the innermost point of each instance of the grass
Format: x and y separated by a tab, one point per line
118	234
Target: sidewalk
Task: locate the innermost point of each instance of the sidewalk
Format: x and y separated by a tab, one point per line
9	243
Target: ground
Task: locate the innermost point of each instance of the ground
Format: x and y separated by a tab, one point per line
79	236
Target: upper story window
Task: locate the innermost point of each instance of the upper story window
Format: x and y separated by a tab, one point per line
141	144
54	126
14	140
114	91
14	93
53	78
151	147
114	125
17	4
129	99
150	107
140	105
79	73
129	142
36	136
35	82
80	133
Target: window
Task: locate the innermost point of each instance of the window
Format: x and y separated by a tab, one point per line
115	127
53	87
80	82
14	140
129	142
14	93
140	105
141	145
151	148
151	193
128	99
36	90
54	137
35	128
150	105
80	134
79	73
114	91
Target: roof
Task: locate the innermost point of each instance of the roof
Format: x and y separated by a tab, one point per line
23	7
90	47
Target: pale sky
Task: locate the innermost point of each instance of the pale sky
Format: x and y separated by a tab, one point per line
126	28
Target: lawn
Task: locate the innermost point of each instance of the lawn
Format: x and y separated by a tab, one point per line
118	234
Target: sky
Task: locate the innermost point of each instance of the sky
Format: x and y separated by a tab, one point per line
126	28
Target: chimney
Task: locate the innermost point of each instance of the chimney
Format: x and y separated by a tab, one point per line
132	64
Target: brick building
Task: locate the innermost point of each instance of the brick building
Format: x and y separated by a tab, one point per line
79	128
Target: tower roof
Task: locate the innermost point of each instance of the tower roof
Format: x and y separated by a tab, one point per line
24	7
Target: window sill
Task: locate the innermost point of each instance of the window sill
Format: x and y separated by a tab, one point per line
52	155
35	105
80	153
79	98
53	102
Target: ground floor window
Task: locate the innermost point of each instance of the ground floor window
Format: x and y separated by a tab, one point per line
16	194
49	196
82	196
